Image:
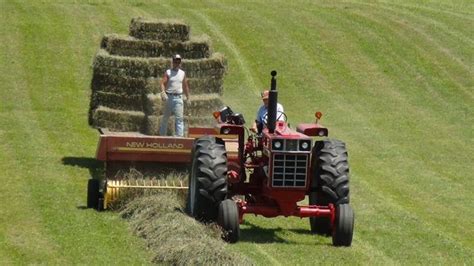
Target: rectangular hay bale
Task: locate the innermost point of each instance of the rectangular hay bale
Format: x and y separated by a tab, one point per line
118	101
153	125
161	30
117	120
154	104
199	121
206	85
123	84
123	45
138	67
203	105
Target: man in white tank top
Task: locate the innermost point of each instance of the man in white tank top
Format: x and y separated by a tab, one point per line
173	84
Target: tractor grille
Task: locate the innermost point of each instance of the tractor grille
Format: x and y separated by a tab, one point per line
289	170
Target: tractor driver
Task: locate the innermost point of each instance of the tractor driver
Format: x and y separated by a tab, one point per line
262	113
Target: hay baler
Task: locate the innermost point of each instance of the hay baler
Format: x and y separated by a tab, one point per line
274	171
122	151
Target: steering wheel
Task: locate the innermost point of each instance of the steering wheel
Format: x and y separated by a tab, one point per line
279	115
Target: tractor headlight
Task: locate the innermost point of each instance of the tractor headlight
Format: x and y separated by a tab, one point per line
277	144
305	145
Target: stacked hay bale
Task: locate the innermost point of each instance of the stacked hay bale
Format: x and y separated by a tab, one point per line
128	68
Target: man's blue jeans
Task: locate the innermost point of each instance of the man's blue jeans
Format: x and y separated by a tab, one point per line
175	106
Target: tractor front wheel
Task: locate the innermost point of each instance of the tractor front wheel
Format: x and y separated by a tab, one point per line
228	219
208	178
344	226
93	193
330	182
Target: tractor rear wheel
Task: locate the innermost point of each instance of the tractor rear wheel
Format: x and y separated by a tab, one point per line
228	219
344	227
208	178
330	182
93	193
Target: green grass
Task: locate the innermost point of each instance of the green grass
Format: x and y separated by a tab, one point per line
394	80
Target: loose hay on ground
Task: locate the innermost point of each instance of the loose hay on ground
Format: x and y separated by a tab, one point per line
176	238
160	30
123	45
117	120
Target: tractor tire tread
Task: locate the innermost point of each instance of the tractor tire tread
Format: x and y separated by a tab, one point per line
210	160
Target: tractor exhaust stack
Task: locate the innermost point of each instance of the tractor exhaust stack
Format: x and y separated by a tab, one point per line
272	104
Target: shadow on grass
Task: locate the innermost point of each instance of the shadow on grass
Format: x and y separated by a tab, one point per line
96	168
256	234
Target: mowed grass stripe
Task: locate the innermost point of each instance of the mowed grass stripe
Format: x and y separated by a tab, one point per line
378	132
285	253
447	38
428	177
344	79
454	10
21	224
418	98
430	50
51	190
247	84
288	255
407	138
431	120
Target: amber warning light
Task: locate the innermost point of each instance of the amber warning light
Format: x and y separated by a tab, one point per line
216	114
318	116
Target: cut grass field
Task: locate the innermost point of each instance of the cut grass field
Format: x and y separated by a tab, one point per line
394	80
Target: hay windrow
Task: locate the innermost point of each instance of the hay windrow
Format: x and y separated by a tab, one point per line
175	238
117	120
123	45
161	30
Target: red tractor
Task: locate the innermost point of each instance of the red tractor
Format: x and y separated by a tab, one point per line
269	174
